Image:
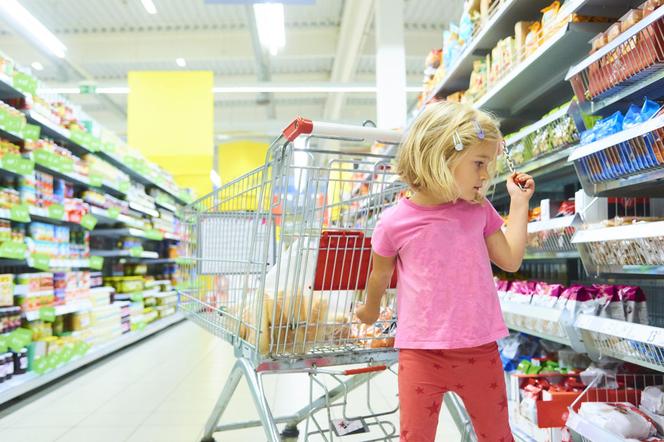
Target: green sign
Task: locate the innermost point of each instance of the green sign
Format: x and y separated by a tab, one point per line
63	164
80	137
96	180
136	252
113	212
184	261
56	211
41	262
96	144
51	361
40	365
47	314
44	157
31	132
81	348
109	148
20	213
89	221
140	326
4	343
67	353
124	187
25	83
87	89
17	164
19	339
96	262
13	250
136	297
154	234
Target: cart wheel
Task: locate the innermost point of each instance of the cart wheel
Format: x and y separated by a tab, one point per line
208	439
290	434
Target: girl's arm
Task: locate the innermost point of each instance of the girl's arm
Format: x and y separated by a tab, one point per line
506	249
379	280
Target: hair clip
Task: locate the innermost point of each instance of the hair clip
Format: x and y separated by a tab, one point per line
458	144
478	130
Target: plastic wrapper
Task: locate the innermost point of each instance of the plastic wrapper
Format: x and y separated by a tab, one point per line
620	418
611	305
580	300
652	399
634	303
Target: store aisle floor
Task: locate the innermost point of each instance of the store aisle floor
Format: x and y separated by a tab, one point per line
163	390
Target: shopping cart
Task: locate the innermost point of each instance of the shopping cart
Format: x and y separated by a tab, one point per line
276	261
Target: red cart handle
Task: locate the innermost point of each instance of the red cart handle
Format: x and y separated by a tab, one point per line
369	369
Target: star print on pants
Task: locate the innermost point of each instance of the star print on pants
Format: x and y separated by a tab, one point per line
459	386
493	385
419	390
437	366
433	409
502	404
471	361
404	434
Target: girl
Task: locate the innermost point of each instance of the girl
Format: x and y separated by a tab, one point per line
442	240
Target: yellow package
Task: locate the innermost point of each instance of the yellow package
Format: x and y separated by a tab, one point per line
521	30
532	39
549	16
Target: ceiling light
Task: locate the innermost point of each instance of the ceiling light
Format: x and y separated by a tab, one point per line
271	26
119	90
149	6
37	66
181	62
215	178
32	28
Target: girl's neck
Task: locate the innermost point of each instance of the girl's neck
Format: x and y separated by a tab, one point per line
425	199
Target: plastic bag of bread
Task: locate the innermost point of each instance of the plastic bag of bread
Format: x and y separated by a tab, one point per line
550	18
598	42
532	39
630	19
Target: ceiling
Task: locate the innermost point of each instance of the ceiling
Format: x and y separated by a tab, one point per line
329	41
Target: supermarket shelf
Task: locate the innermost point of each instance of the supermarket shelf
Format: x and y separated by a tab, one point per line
41	214
29	382
543	256
499	26
619	233
122	254
167	206
7	90
11	136
59	134
141	208
523	133
554	223
159	261
647	184
136	176
60	310
139	233
532	319
601	8
636	343
69	263
104	218
158	282
524	92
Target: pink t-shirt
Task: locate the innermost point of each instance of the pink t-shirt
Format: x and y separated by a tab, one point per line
446	297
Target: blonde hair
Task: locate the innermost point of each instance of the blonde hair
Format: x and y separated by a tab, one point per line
427	157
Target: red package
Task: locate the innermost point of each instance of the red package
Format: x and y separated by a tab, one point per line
611	305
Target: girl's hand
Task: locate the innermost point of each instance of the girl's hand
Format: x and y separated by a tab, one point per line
367	314
526	181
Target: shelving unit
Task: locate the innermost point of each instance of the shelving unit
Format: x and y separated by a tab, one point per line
30	382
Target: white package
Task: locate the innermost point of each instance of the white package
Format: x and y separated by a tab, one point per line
620	418
652	399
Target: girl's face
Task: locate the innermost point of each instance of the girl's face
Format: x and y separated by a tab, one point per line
472	170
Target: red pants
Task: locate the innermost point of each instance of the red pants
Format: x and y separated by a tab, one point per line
475	374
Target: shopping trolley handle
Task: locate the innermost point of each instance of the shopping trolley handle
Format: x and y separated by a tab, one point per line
369	369
303	126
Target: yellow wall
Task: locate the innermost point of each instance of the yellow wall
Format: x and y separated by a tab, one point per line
170	119
236	158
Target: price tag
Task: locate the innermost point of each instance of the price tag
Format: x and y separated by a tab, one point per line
96	180
113	212
31	132
19	339
45	158
51	361
154	234
65	165
4	343
40	365
13	250
20	213
136	252
47	314
25	83
124	187
41	261
96	262
79	137
81	348
95	144
140	326
184	261
89	221
67	353
56	211
136	297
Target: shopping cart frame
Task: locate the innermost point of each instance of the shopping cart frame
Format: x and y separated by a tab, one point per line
251	363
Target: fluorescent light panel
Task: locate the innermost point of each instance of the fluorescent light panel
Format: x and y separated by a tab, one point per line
37	66
32	28
120	90
181	62
149	6
271	26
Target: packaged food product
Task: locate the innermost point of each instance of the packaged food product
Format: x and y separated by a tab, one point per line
630	19
532	39
549	18
620	418
634	302
613	32
521	30
598	42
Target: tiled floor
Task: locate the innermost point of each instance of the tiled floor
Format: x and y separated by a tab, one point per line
163	390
